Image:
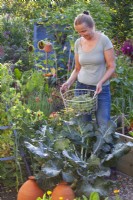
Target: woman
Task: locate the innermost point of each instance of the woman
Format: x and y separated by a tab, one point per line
94	64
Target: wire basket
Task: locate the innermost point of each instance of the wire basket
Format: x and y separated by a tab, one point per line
80	100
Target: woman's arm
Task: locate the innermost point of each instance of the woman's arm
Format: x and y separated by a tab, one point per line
110	61
73	76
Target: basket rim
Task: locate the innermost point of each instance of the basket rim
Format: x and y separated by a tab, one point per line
67	100
76	90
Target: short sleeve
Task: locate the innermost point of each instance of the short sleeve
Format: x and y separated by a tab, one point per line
107	44
76	46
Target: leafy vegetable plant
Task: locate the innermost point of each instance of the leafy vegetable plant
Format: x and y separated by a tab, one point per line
79	153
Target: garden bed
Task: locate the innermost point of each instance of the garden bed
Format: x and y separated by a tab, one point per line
122	181
125	164
6	193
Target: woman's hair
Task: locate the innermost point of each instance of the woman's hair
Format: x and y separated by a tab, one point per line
86	18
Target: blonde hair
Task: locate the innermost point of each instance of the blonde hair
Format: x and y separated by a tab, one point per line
86	18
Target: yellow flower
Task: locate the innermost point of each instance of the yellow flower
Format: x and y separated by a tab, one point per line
60	198
116	191
49	192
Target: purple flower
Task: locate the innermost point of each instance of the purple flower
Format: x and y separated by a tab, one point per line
127	48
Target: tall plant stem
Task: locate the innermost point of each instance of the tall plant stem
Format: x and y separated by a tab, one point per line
85	155
68	64
46	56
82	149
56	66
16	158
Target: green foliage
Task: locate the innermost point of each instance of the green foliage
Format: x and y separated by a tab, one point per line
94	196
122	12
45	197
34	83
9	172
17	73
14	31
121	87
14	36
15	115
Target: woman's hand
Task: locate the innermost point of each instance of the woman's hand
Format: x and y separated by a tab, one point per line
65	87
98	88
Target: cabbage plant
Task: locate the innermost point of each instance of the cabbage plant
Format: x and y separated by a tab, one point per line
79	153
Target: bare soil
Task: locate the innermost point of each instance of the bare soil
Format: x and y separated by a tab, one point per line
7	194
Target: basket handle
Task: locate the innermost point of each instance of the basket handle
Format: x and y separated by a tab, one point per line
94	95
63	98
61	93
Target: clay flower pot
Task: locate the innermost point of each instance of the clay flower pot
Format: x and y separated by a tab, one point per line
64	191
30	190
48	47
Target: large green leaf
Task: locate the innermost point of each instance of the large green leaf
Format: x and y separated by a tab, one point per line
52	168
86	187
73	136
68	176
119	150
37	150
103	172
98	144
88	128
74	158
93	161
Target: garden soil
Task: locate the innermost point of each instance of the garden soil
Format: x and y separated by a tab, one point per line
122	182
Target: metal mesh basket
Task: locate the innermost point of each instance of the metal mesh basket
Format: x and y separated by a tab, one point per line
80	100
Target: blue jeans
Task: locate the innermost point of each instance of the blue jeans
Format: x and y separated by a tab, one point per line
104	103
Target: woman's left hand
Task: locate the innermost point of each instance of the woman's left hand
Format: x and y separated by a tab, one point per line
98	88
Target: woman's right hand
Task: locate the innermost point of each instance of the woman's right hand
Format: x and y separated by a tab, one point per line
65	87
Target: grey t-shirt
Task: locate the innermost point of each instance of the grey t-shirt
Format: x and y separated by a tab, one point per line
93	65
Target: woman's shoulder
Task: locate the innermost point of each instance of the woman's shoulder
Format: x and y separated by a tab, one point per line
106	41
104	37
77	42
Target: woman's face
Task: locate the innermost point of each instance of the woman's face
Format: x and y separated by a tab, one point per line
84	31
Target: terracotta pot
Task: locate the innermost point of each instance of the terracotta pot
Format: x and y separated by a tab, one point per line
63	190
30	190
48	47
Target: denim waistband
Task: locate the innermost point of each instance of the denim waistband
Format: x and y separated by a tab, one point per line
85	86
